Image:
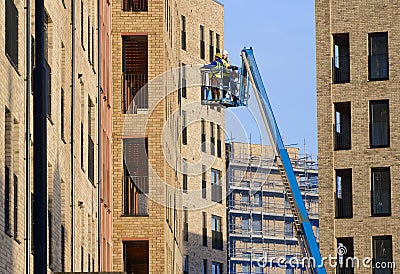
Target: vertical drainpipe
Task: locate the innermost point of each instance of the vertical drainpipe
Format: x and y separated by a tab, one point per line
99	235
28	139
73	30
40	99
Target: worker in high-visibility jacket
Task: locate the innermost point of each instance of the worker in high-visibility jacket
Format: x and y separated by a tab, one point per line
216	68
226	72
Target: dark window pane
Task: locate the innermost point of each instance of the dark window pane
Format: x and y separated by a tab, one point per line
379	123
378	56
381	200
134	5
382	254
12	32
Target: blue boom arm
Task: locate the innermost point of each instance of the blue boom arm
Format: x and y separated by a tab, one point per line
250	71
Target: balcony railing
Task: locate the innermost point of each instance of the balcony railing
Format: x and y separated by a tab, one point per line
341	69
134	92
217	242
344	205
135	198
216	193
134	5
342	139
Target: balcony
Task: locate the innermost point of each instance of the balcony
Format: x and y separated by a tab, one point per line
134	5
135	92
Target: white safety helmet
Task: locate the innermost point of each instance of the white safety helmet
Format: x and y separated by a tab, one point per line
225	52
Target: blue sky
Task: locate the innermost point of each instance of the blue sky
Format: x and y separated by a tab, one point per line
282	34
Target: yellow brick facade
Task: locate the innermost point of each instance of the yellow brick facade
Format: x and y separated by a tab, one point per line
163	227
358	19
12	124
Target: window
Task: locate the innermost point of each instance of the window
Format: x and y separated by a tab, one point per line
203	182
219	142
136	177
183	32
288	229
380	192
62	248
82	149
216	187
378	67
345	250
184	175
48	88
62	108
344	200
50	235
12	32
203	135
218	43
16	235
186	264
134	5
341	58
88	39
185	224
382	254
134	69
204	214
216	232
342	126
47	44
183	87
202	44
82	26
245	223
8	149
216	268
204	267
379	123
212	138
136	257
211	52
257	225
7	201
184	127
91	132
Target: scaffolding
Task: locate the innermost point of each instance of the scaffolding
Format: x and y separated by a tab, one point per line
261	238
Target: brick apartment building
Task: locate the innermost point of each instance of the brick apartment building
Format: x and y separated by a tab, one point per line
358	128
73	135
167	219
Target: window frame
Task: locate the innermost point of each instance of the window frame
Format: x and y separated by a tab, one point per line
376	102
371	36
389	199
